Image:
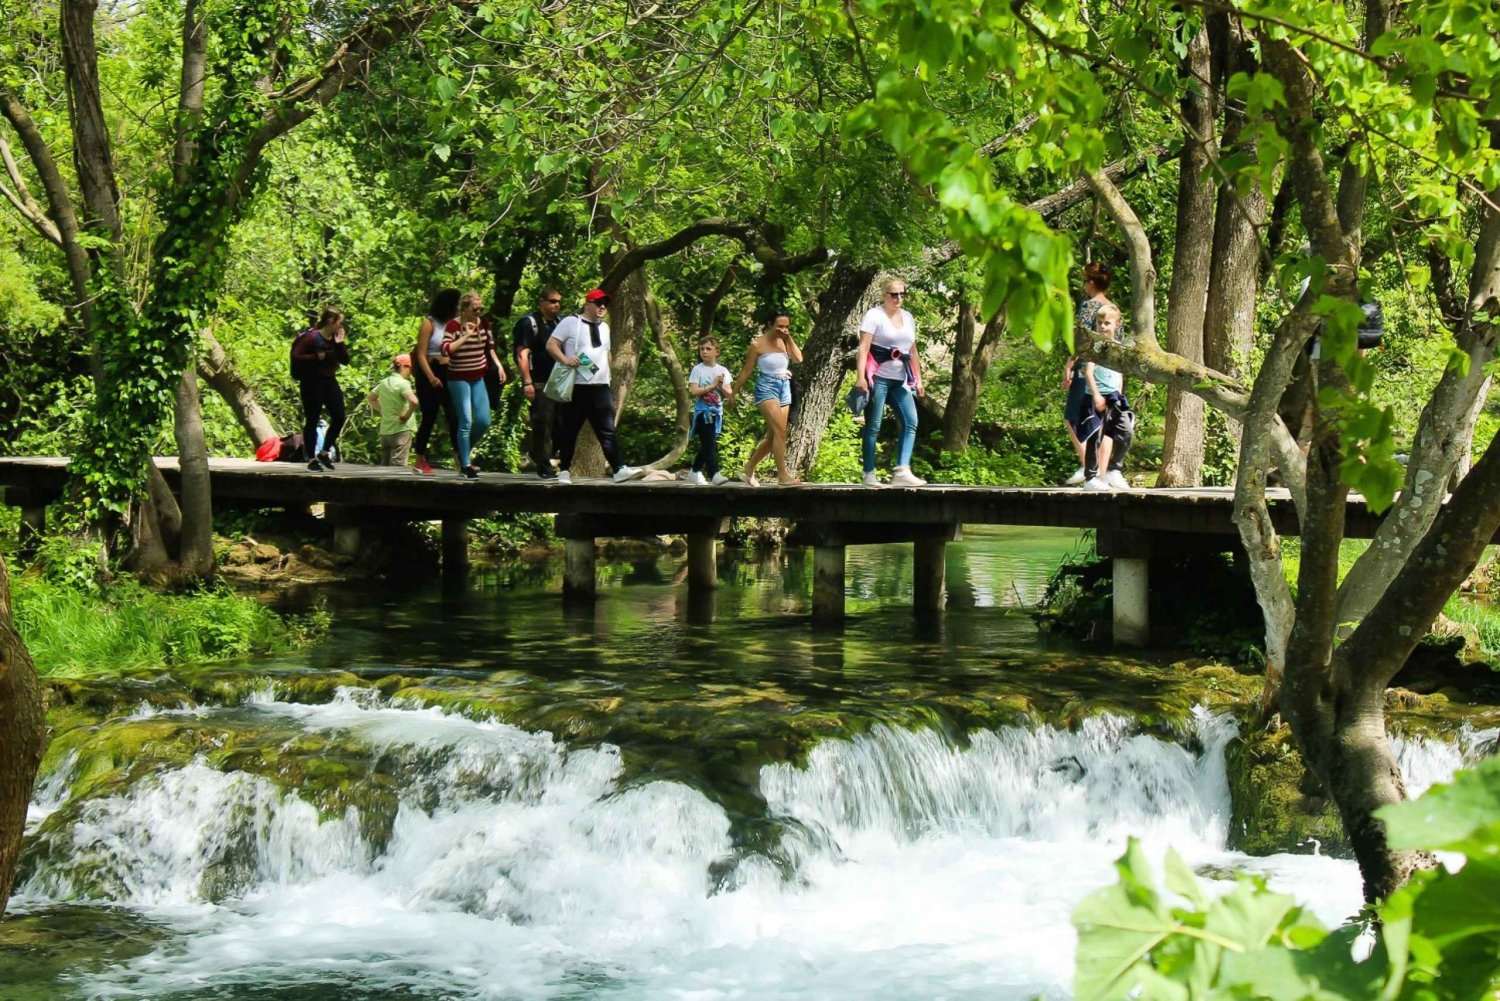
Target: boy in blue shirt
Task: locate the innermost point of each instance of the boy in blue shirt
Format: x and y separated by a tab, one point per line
1107	424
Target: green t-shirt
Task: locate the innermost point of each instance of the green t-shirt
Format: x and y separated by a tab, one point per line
391	392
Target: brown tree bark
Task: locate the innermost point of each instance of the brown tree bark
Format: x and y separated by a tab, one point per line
974	348
195	551
1187	299
217	369
817	380
23	736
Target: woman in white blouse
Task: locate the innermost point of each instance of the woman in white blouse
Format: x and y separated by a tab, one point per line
889	371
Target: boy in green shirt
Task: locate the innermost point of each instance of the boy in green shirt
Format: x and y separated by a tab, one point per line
396	402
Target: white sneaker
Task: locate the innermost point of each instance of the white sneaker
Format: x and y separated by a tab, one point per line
871	480
1117	479
1075	479
696	478
902	476
564	477
720	479
1098	483
628	473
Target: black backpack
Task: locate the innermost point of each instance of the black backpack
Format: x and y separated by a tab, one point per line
302	369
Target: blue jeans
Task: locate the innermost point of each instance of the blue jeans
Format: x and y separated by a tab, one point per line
905	404
472	402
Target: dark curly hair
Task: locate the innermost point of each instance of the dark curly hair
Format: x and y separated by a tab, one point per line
1099	273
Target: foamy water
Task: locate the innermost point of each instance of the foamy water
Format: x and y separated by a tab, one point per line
907	866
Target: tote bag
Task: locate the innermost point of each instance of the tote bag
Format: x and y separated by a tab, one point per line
560	384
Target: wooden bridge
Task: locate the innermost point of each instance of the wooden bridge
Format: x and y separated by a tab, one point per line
1131	526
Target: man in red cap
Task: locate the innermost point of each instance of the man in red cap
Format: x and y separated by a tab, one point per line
582	343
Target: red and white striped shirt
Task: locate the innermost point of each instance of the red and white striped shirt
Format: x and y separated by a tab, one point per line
470	360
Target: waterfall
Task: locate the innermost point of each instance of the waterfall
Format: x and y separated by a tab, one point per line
510	865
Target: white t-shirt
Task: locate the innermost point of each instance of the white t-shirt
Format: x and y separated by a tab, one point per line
888	335
578	342
705	375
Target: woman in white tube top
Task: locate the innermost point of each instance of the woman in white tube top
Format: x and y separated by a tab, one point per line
770	357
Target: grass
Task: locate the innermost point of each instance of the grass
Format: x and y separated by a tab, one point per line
125	626
1484	617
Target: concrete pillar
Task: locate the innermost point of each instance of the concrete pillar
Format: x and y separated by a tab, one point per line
33	528
929	574
579	582
455	546
828	584
703	569
1132	592
346	540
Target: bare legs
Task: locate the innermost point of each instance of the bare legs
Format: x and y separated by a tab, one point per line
774	443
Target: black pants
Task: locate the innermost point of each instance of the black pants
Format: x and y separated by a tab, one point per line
318	394
434	400
545	431
1119	425
706	429
594	405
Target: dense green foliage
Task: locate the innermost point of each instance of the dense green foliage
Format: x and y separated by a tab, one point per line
77	625
1434	940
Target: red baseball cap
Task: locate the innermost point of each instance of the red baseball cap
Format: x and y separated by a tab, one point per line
597	295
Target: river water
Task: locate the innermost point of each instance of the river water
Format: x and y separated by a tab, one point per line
655	798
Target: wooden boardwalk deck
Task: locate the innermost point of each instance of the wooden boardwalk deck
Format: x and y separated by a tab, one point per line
243	481
1131	526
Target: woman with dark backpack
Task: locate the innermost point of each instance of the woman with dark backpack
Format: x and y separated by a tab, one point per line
317	354
431	376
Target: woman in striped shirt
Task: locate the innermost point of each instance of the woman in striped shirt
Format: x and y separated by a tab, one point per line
470	347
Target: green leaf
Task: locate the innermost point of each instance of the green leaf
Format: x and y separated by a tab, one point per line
1462	816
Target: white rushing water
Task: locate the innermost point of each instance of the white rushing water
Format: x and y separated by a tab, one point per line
520	868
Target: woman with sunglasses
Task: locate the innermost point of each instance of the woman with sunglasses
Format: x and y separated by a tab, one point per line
889	371
769	356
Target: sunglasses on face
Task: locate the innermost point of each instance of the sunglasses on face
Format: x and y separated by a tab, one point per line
896	295
552	301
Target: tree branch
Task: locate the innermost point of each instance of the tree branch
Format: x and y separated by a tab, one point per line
1142	269
751	236
59	198
1051	206
19	195
350	59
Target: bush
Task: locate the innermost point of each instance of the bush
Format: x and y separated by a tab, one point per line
1436	939
122	626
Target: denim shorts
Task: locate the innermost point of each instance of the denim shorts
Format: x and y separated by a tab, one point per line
769	387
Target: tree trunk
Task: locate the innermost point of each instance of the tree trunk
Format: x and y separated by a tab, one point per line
970	363
217	369
165	511
817	380
1187	300
667	351
196	546
23	724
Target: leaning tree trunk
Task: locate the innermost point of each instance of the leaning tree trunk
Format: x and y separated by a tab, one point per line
818	378
24	732
683	400
1187	300
217	369
196	544
971	361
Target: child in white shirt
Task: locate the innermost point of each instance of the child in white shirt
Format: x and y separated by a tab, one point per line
709	382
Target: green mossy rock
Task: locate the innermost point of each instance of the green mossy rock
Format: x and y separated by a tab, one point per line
1275	807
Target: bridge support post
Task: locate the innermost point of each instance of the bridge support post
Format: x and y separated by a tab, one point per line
929	573
579	581
828	584
1132	598
455	546
703	551
346	540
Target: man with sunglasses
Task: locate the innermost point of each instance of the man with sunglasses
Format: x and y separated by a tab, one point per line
530	338
582	343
